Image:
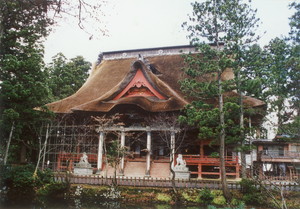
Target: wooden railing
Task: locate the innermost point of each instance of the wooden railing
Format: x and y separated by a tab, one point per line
198	159
280	154
230	161
295	177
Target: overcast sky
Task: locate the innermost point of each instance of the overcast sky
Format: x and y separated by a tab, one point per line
136	24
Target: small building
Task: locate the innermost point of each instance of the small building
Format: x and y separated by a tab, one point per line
134	97
278	158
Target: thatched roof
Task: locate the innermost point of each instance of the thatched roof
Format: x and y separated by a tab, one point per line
161	68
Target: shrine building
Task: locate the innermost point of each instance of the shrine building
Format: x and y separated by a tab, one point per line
133	97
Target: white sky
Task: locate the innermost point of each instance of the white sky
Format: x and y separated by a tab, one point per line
135	24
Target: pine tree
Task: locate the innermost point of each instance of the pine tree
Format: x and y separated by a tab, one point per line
293	63
227	25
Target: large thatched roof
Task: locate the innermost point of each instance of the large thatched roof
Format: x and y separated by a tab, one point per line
161	67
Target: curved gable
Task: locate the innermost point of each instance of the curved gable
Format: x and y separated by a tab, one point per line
139	87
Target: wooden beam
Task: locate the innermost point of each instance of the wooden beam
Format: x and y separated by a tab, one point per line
137	128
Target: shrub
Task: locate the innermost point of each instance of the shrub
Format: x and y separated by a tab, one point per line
251	194
219	200
52	191
21	183
45	177
162	197
206	196
236	202
191	195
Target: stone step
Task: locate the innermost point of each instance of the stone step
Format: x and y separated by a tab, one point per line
108	171
135	169
160	170
138	169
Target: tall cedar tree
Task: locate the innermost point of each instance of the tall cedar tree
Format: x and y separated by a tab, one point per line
243	35
278	54
22	87
66	76
227	24
282	70
23	27
292	128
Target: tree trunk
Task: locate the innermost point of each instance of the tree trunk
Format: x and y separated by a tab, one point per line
8	143
23	154
1	32
114	184
242	133
225	189
280	115
42	151
45	149
173	178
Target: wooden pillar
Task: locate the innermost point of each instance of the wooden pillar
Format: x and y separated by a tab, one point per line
100	152
172	154
258	133
148	157
261	170
237	168
58	162
200	171
122	147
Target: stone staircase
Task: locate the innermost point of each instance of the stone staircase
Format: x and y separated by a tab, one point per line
138	169
135	169
160	170
108	171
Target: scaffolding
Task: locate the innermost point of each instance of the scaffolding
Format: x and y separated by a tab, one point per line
64	145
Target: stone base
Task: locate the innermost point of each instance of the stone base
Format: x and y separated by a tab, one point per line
181	169
83	171
182	175
181	172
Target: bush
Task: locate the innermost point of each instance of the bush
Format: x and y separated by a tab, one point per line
219	200
236	202
45	177
21	184
162	197
251	193
52	191
191	195
206	196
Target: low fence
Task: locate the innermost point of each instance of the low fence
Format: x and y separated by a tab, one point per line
166	182
281	178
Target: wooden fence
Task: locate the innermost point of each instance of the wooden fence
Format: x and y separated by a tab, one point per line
164	182
294	177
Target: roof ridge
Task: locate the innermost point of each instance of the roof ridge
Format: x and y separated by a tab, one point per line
131	53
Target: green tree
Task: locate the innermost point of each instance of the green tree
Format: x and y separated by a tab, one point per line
295	23
66	77
227	25
278	53
254	75
292	126
242	35
23	27
22	87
